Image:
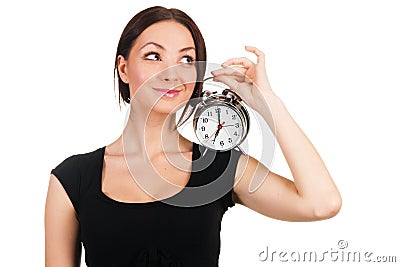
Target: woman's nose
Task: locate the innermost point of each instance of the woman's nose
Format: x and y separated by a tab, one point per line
170	74
169	79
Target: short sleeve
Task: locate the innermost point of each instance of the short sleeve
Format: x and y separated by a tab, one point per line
68	173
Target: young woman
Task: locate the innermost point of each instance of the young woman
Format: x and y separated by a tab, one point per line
98	199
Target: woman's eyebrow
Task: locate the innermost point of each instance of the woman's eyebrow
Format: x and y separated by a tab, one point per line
187	48
153	43
163	48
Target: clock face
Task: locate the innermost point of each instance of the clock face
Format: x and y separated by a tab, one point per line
219	127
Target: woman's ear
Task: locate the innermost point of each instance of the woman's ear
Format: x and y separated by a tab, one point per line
122	69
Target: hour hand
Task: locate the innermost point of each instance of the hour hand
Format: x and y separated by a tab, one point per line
216	134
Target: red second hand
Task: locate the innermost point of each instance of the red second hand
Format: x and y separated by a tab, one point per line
219	128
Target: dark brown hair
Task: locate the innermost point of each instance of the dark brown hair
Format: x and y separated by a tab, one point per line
139	23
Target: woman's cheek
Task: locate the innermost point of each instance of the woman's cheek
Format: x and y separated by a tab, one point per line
190	88
139	78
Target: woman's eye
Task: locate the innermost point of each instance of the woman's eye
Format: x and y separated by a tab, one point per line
187	60
152	56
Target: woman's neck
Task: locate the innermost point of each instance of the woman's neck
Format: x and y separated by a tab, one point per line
152	134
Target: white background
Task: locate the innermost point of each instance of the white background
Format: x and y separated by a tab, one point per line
335	64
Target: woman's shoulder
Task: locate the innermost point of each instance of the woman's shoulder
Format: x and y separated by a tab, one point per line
73	164
83	156
91	157
71	173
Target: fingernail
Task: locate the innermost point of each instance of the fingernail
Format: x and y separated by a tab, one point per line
214	72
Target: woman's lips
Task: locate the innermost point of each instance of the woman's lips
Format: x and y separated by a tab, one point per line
167	92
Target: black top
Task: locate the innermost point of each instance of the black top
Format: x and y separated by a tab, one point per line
155	233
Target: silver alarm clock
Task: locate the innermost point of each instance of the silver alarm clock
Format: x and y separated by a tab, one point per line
221	121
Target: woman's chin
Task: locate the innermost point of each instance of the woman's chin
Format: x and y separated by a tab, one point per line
167	105
163	108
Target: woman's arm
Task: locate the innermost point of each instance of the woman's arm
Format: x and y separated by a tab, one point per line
62	248
312	195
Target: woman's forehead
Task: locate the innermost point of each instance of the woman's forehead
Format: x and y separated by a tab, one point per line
165	34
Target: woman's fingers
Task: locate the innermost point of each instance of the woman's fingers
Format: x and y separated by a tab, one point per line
260	55
260	69
232	82
247	63
237	72
241	61
229	81
229	71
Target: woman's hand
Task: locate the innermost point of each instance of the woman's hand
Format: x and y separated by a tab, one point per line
311	194
248	79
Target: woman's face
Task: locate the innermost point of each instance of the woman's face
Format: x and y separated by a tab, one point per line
160	68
